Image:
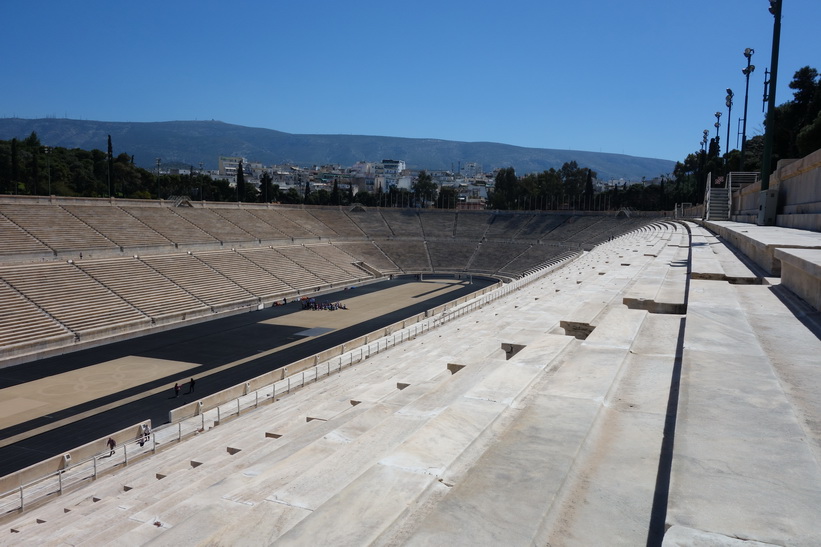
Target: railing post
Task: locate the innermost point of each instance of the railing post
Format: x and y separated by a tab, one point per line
179	429
274	392
256	399
22	505
218	415
154	440
60	480
95	466
237	406
125	454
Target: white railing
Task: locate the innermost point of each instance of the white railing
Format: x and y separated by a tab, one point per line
57	482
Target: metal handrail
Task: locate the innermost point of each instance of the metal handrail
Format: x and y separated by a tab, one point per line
56	482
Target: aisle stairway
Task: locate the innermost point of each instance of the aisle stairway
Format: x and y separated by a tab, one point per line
718	204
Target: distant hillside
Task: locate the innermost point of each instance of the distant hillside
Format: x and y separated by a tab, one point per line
192	142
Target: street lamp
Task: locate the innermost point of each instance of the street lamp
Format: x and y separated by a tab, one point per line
729	102
749	69
718	125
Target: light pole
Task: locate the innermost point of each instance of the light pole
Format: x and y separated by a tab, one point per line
729	102
718	125
704	138
769	135
47	151
749	69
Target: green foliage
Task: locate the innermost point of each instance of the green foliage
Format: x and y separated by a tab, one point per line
267	191
26	167
505	189
424	189
570	187
240	182
808	139
797	133
335	197
446	198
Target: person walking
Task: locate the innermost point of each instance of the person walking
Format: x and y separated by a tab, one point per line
191	386
177	389
111	444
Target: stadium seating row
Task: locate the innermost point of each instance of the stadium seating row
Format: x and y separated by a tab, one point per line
74	272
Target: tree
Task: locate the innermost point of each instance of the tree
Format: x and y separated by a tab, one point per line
35	170
240	182
807	95
588	189
573	179
335	199
424	188
15	164
809	138
792	117
266	191
505	189
446	199
110	167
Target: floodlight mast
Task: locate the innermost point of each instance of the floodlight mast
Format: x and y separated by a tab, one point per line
769	135
748	53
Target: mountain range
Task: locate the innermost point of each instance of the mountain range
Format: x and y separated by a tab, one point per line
195	142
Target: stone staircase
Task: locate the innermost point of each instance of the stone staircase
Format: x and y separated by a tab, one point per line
718	204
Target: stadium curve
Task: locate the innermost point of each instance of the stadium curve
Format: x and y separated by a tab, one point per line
627	380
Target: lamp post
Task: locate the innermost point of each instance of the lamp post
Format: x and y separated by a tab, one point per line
704	138
718	139
769	135
729	102
749	69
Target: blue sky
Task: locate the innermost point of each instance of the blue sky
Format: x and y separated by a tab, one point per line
636	77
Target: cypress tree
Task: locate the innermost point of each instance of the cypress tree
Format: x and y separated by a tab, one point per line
110	167
240	182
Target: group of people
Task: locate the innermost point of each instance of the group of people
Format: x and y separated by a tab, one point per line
145	434
145	430
312	304
178	388
143	437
